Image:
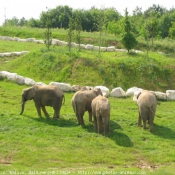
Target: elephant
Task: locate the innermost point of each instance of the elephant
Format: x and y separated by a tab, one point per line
46	95
147	103
81	102
101	113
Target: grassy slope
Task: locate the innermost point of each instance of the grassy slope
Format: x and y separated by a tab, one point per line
47	145
86	68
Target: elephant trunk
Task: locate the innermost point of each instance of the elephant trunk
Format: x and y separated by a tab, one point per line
22	105
22	108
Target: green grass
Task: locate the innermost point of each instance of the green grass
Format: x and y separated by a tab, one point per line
161	45
29	143
32	145
112	69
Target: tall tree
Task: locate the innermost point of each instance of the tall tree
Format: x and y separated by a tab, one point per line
100	25
152	26
172	31
128	39
48	33
70	33
78	28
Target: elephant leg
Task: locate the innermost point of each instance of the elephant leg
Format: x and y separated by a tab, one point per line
105	124
80	116
99	123
38	109
144	124
139	120
81	120
44	110
151	118
95	123
56	112
151	123
108	127
90	116
78	119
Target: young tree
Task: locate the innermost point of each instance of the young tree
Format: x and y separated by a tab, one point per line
152	26
48	33
100	25
78	28
172	30
128	40
70	33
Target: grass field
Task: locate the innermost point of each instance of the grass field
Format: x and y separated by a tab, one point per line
30	144
33	145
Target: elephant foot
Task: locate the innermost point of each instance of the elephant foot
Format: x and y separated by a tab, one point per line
139	124
151	129
56	118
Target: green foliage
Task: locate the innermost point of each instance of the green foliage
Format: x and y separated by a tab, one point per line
116	28
85	68
172	30
78	29
161	22
70	33
48	33
128	39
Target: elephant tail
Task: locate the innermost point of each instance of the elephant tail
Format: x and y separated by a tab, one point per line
64	100
152	111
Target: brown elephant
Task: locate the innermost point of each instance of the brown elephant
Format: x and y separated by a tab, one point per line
147	103
81	102
47	95
101	113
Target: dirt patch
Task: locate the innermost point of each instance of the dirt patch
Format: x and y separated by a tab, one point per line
5	161
145	165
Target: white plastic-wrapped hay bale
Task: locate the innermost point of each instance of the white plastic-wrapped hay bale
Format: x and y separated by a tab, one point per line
29	81
30	39
40	83
55	41
89	47
111	49
7	54
160	95
1	55
20	79
170	94
3	74
75	88
11	76
63	86
16	53
39	41
117	92
104	89
131	91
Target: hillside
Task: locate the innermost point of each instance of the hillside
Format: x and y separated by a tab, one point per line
86	68
154	71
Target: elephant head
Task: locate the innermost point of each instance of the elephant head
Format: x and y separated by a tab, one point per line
98	91
27	94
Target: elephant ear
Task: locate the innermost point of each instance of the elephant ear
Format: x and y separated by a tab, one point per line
138	94
98	91
30	93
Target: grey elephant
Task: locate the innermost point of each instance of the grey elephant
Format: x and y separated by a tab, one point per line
147	103
47	95
81	102
101	113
